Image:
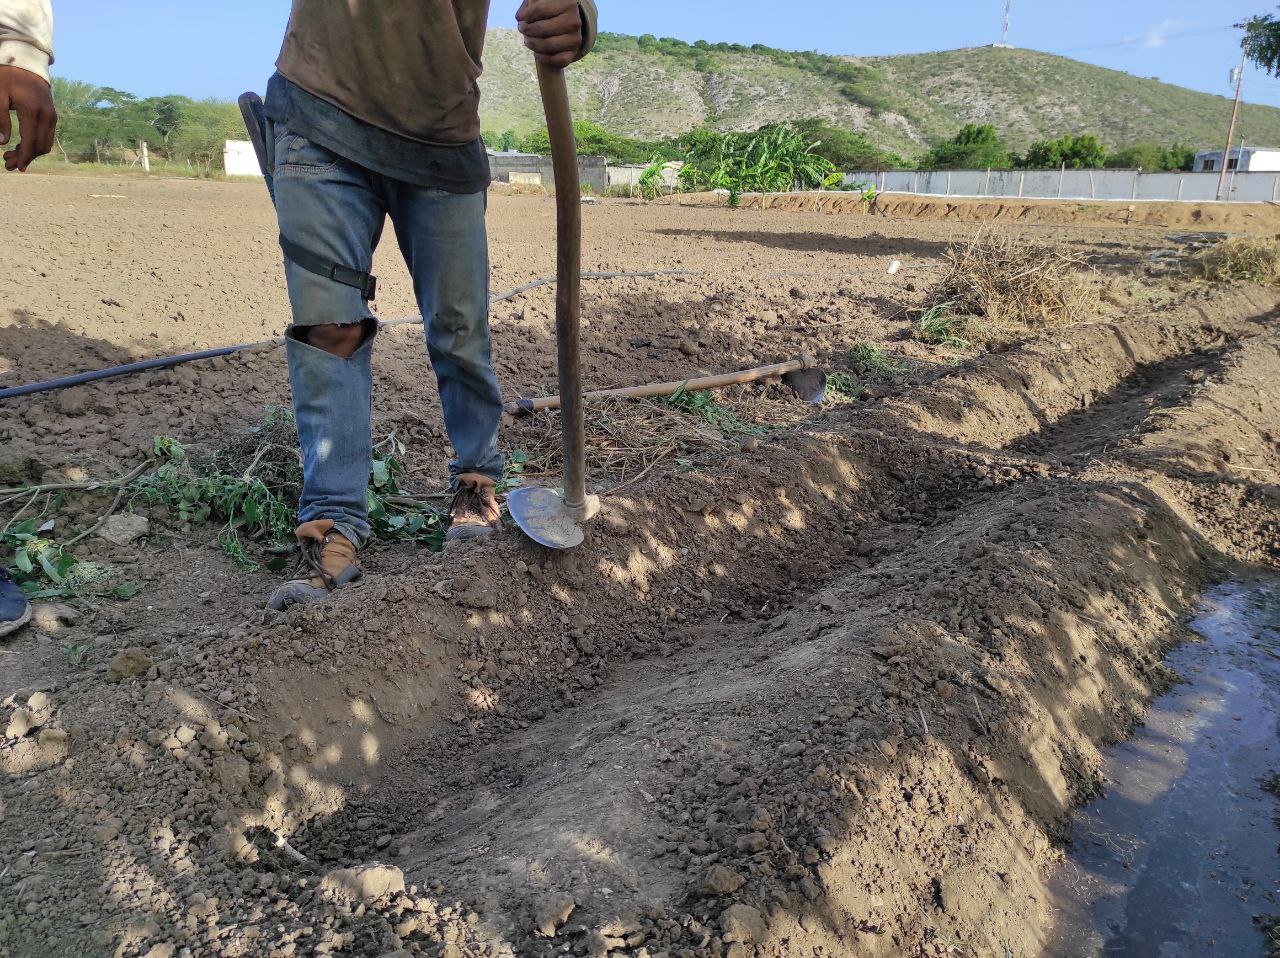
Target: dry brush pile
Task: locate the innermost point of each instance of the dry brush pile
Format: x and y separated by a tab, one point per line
998	288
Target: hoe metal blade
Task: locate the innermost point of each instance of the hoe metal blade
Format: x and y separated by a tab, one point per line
544	516
809	384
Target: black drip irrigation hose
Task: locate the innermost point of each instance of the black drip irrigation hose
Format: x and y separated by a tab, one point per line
164	362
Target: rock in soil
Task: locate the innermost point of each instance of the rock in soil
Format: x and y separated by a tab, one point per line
127	664
124	528
363	883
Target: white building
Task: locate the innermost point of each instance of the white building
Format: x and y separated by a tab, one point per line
1251	159
239	159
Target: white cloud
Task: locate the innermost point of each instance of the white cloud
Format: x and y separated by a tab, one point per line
1156	36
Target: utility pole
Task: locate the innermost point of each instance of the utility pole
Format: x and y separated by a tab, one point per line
1231	130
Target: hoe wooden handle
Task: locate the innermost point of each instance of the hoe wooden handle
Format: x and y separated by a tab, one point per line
564	159
525	407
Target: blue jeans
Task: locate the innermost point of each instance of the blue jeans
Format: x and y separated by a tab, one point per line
336	209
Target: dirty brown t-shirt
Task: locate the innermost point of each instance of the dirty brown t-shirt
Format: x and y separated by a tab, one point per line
409	67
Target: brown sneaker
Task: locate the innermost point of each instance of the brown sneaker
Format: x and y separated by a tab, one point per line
475	511
326	561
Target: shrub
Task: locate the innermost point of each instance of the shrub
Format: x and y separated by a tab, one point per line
848	151
1153	158
973	148
1082	152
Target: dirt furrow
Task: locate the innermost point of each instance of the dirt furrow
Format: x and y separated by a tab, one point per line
972	702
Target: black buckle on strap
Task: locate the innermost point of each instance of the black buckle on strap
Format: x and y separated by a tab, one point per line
367	283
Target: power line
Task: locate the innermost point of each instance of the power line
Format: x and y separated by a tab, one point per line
1137	41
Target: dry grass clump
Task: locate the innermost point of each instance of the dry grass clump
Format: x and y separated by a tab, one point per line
1242	260
1004	287
267	451
626	438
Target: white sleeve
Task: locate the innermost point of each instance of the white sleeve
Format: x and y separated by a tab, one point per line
26	35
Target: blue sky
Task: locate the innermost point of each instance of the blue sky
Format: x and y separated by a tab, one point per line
223	48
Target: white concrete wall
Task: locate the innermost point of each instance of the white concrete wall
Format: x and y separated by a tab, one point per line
1130	185
238	159
629	175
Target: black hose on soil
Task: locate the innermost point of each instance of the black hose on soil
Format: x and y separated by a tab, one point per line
164	362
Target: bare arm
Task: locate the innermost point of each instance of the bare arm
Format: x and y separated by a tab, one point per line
26	50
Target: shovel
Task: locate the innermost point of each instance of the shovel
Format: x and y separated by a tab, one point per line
552	517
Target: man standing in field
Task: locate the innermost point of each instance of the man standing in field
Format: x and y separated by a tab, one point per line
375	110
26	50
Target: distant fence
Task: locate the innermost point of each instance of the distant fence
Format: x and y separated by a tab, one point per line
1076	185
534	170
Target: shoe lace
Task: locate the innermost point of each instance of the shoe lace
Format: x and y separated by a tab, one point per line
310	565
466	503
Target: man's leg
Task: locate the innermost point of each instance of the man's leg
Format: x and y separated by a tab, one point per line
332	208
442	236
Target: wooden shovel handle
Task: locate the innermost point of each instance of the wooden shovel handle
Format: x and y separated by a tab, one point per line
564	159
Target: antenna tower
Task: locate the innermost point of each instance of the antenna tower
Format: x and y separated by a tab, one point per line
1008	10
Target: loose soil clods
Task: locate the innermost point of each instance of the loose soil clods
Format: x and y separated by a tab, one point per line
833	686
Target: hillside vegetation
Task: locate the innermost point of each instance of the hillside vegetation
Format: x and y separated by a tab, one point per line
650	88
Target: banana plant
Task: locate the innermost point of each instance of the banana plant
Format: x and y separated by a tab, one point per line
774	159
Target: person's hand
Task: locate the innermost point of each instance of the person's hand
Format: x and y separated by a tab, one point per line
31	98
552	30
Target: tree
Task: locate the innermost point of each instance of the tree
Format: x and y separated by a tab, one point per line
539	141
164	115
592	140
973	148
125	122
849	151
1262	42
1152	158
203	130
508	141
1082	152
80	122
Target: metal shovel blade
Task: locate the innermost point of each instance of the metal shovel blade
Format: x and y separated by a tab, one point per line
542	515
809	384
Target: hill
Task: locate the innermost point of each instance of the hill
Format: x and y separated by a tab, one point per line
650	88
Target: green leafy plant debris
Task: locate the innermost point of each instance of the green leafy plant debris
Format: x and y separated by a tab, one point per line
942	326
704	406
45	569
874	362
842	384
251	487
